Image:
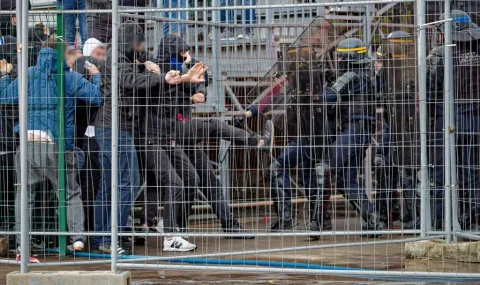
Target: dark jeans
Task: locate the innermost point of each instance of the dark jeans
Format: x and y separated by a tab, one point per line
467	140
346	159
192	132
294	155
70	20
128	182
176	179
90	176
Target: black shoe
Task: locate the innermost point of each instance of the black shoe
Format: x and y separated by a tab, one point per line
412	224
279	224
236	228
466	221
374	223
313	226
268	137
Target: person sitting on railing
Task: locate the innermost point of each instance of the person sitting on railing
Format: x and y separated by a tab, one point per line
43	133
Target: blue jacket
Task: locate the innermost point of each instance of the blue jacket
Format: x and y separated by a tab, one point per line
42	95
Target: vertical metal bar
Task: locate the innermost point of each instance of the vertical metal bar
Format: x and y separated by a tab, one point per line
62	221
219	92
115	129
368	28
448	95
422	90
270	32
22	34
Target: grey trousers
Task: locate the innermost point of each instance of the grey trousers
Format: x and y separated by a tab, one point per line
42	161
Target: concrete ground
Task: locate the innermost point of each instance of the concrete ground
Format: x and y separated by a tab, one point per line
378	257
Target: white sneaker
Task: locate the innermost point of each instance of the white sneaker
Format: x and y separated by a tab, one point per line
177	244
77	246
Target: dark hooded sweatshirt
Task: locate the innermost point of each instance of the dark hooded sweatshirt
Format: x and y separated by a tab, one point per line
134	86
164	111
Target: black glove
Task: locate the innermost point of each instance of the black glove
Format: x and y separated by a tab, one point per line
239	121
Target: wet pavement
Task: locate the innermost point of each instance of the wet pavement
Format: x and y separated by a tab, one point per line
377	257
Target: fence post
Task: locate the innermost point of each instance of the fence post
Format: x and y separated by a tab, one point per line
422	90
22	33
449	123
115	130
62	226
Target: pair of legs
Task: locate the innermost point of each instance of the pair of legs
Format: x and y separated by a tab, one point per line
89	180
42	160
345	160
71	19
229	16
99	25
467	130
176	180
128	179
297	155
175	27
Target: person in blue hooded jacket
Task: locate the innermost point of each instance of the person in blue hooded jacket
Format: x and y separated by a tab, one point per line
43	136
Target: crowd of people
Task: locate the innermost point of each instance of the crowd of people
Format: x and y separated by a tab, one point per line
335	117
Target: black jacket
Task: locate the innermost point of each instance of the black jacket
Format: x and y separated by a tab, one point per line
134	86
466	80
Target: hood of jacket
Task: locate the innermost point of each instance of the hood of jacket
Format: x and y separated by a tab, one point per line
129	34
90	45
47	61
170	47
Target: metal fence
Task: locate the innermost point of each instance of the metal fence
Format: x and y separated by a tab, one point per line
299	150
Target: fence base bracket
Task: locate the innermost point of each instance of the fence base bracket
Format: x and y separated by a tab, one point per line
438	249
69	278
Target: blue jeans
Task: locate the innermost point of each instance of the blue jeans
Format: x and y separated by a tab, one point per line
228	16
128	182
175	27
70	27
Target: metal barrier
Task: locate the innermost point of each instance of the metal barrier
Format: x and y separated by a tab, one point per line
373	144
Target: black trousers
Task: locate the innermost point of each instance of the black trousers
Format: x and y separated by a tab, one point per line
89	178
176	181
210	186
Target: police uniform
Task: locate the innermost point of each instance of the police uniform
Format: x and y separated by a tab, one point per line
466	61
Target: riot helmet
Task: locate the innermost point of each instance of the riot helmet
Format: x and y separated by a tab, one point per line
350	52
398	45
463	29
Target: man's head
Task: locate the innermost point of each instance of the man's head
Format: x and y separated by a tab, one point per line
95	49
131	39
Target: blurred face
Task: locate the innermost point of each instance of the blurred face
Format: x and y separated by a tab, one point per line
98	53
139	47
14	20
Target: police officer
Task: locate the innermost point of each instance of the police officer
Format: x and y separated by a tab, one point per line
399	154
354	94
466	61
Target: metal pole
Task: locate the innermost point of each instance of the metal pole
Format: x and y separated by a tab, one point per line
62	221
115	129
422	90
448	128
368	25
22	34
